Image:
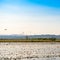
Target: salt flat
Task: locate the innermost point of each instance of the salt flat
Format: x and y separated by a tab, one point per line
30	51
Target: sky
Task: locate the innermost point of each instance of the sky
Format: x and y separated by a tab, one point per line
29	16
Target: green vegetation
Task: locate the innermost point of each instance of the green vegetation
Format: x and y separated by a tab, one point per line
31	40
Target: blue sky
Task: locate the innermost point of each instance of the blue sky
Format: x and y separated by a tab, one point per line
30	16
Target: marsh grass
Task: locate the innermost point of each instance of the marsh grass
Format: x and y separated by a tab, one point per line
31	40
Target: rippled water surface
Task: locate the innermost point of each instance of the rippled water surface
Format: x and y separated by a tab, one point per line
30	51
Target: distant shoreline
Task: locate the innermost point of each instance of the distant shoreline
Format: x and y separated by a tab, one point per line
24	40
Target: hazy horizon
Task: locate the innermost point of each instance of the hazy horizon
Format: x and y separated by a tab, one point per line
29	17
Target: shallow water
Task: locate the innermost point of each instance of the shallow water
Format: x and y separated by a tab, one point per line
30	51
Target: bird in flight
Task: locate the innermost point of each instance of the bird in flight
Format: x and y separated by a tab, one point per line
5	29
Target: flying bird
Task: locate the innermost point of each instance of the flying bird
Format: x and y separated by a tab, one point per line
5	29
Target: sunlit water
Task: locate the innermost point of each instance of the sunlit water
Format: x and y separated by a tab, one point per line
30	51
